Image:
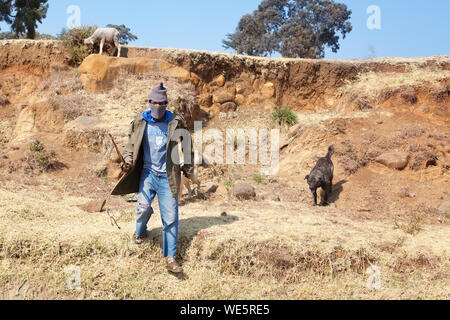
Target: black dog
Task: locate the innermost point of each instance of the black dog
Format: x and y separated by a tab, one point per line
322	177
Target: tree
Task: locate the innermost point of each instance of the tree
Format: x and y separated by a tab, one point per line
23	15
8	35
125	35
294	28
5	11
39	36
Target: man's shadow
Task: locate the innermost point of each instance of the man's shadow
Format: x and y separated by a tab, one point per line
337	190
188	229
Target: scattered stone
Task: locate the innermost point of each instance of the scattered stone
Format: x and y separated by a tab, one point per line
223	214
231	89
219	81
268	90
396	160
239	99
228	107
93	206
240	88
212	187
244	191
222	96
205	100
260	198
222	191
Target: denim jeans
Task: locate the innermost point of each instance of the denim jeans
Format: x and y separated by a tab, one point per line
153	184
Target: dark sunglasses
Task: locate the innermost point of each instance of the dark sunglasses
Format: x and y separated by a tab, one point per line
158	103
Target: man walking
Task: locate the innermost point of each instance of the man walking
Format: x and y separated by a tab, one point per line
152	168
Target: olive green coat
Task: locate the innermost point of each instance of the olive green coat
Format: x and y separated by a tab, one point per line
134	156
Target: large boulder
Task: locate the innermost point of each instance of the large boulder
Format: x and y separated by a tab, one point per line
98	72
244	191
219	81
395	160
222	96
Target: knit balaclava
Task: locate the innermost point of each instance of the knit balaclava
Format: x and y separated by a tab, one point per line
158	94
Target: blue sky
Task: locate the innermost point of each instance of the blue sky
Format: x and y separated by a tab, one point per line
409	28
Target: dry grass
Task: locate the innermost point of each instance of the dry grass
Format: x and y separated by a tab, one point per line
92	139
61	82
422	157
6	131
414	222
376	85
66	94
440	92
348	158
414	131
36	160
72	105
264	253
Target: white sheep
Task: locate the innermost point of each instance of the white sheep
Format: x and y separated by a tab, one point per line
103	35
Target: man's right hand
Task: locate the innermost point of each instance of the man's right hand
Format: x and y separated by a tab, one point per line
126	167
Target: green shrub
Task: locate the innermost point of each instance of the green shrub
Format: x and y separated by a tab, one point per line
73	41
258	178
36	145
229	184
284	117
39	158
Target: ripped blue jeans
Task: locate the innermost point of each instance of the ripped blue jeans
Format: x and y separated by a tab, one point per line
153	184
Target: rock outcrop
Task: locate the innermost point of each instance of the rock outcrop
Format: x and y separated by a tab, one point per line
244	191
395	160
98	73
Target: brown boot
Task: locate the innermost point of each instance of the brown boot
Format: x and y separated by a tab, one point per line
173	266
138	240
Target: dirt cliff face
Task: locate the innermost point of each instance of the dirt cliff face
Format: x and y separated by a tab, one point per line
298	84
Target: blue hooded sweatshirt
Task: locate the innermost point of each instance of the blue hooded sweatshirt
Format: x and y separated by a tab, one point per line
155	142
